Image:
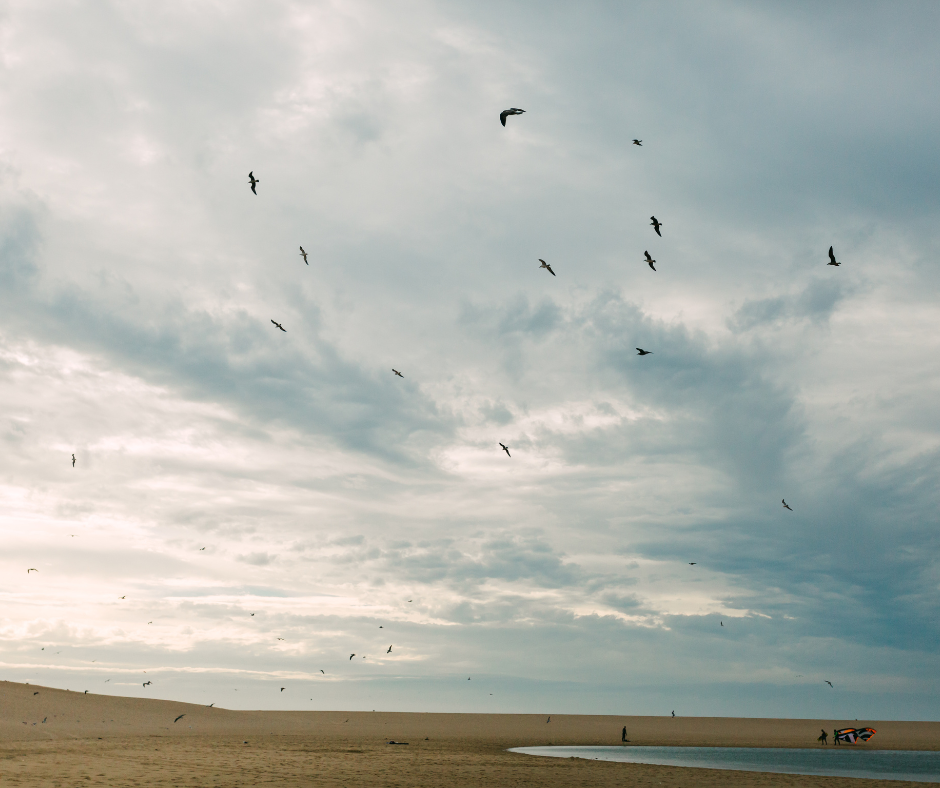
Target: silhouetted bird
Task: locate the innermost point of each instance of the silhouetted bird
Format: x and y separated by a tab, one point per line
692	563
279	326
829	683
202	548
147	683
73	460
210	705
31	570
179	718
253	181
832	258
35	693
283	688
304	255
323	672
546	265
505	449
506	112
397	372
549	719
123	596
389	650
638	142
656	225
641	352
650	260
722	623
351	656
785	505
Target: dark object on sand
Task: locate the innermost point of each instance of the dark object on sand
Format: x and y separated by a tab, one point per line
398	742
623	734
823	737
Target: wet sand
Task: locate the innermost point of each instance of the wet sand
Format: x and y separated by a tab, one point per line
106	740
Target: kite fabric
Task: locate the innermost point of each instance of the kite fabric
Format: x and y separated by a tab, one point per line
852	735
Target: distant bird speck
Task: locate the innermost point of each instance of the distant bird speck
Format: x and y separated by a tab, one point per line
322	671
641	352
650	260
692	563
210	705
351	656
123	596
505	449
179	718
829	683
656	225
304	255
832	258
506	112
31	570
389	650
279	326
253	181
785	505
397	372
73	460
202	548
280	638
147	683
546	265
283	688
638	142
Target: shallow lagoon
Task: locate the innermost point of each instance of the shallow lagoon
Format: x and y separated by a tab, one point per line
843	761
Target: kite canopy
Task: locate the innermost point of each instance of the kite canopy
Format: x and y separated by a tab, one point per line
852	735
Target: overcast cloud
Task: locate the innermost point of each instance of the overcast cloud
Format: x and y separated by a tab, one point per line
139	276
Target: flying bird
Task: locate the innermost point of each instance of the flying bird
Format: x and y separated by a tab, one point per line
147	682
150	622
253	181
123	596
505	449
322	671
280	638
179	718
546	265
397	372
73	456
638	142
506	112
650	260
86	692
722	623
692	563
832	258
31	570
829	683
785	506
656	225
389	650
283	688
304	255
641	352
202	548
279	326
409	600
351	656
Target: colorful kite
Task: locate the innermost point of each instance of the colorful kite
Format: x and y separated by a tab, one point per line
852	735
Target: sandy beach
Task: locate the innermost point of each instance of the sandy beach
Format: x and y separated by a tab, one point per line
104	740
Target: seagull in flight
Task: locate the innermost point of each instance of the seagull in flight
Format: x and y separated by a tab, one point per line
506	112
322	671
656	225
650	260
638	142
832	258
73	456
280	638
31	570
389	650
283	688
692	563
253	181
147	682
304	255
641	352
202	548
179	718
505	449
785	506
279	326
397	372
351	656
123	596
829	683
546	265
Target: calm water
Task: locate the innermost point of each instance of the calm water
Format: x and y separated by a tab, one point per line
844	761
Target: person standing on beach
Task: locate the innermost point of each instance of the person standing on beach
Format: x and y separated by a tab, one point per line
823	737
623	735
673	713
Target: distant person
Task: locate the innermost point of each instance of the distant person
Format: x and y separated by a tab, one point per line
823	738
673	713
835	736
623	734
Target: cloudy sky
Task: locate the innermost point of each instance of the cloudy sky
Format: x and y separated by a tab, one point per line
250	507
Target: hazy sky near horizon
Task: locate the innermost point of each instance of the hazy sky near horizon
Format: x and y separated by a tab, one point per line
249	507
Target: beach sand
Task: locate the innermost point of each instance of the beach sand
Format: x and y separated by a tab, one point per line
105	740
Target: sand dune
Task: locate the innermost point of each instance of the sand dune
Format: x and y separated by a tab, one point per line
122	741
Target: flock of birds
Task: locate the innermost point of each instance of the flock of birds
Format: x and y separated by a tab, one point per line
655	223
